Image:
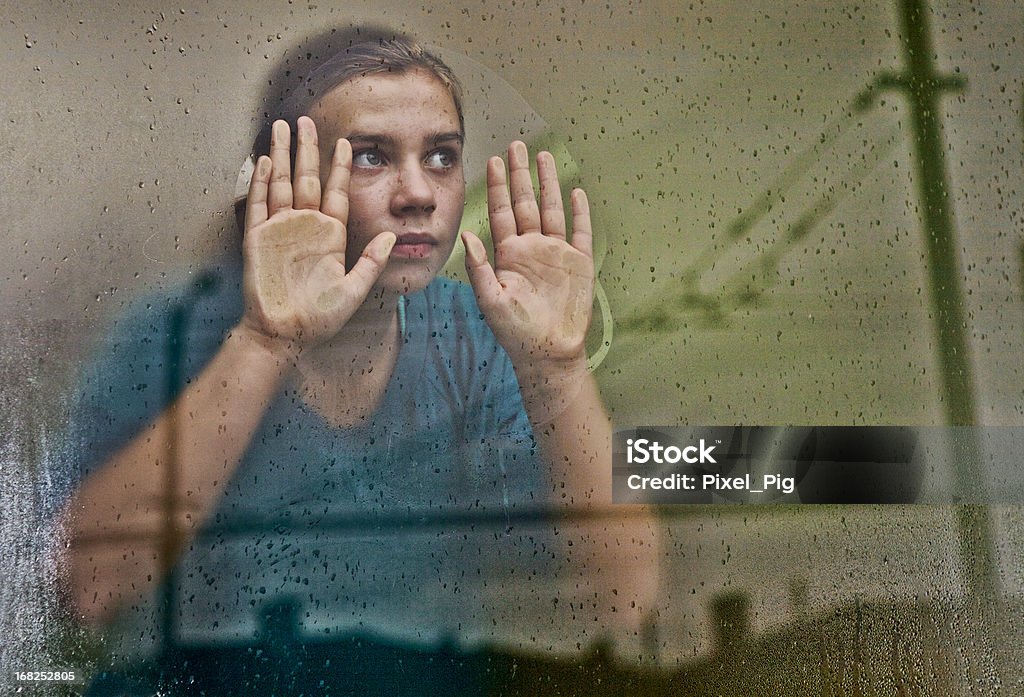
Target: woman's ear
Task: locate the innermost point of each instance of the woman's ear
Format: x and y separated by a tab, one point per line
244	177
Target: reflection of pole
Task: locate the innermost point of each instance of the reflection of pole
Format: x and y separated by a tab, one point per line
923	87
169	543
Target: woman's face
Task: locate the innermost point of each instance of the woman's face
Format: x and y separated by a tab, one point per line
406	169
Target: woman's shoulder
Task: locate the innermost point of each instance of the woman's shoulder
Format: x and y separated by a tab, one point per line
216	286
181	324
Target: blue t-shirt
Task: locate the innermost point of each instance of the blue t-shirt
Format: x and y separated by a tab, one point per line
404	527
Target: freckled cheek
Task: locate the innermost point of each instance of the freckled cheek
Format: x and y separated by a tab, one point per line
454	198
367	217
368	212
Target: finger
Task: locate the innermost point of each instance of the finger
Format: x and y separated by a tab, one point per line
582	237
335	198
306	183
552	215
256	201
370	266
281	177
524	201
481	274
499	205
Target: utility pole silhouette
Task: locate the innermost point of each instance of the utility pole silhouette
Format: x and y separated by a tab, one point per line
924	86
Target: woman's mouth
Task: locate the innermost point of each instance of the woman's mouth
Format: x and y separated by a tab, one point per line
413	245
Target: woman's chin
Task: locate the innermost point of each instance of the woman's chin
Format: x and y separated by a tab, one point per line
405	279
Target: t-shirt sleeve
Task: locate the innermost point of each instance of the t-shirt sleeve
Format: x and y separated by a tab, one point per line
123	387
148	355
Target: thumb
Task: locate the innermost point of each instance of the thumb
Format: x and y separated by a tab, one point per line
481	274
336	295
343	293
370	266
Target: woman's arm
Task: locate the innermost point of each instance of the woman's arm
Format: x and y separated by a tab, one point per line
537	300
125	528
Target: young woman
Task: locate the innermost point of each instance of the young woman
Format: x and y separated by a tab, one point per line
352	384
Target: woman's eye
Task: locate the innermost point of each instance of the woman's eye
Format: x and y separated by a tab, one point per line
367	158
442	159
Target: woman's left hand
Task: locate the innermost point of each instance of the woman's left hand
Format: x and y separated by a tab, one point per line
537	297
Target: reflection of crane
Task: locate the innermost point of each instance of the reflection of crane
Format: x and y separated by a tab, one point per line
747	285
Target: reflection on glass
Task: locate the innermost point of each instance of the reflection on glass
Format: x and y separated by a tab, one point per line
330	467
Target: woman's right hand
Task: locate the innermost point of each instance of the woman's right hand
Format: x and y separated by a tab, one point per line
297	291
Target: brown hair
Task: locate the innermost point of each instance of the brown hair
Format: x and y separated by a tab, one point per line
385	53
303	76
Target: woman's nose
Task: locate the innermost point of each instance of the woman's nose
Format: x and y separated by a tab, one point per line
413	191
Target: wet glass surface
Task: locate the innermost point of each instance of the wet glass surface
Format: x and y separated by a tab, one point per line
804	215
